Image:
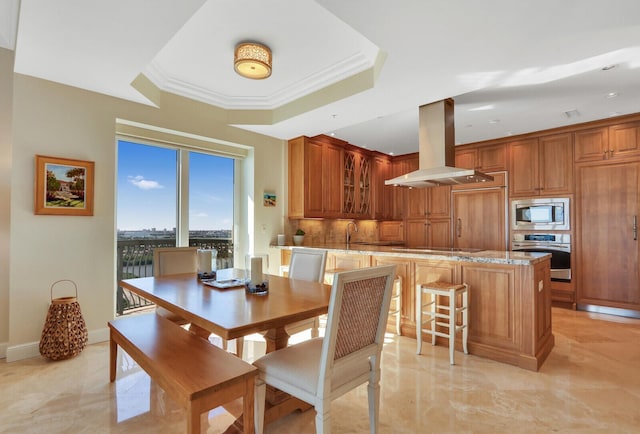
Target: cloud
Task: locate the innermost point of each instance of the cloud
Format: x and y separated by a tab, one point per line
144	184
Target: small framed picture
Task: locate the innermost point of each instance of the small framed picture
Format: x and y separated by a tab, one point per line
269	199
63	186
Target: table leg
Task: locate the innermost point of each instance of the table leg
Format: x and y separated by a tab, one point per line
276	339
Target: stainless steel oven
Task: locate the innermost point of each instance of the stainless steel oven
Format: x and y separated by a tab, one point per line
559	245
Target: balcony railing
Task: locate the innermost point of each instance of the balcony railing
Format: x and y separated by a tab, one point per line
135	259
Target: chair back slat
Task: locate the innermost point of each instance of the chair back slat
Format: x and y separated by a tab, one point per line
308	264
359	316
174	260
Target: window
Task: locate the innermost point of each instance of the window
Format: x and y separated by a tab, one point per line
167	196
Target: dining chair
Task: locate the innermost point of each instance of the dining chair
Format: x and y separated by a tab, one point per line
320	370
307	264
178	260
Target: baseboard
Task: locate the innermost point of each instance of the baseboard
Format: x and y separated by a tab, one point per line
3	349
32	349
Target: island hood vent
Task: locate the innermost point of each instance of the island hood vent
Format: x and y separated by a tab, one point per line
437	151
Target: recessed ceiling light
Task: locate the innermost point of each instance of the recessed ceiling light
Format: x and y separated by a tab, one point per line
608	67
332	134
615	114
482	108
572	113
494	121
469	125
612	94
391	153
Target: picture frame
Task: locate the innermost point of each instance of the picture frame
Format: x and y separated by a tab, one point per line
63	186
269	199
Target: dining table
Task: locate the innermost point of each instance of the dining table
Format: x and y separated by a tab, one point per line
232	312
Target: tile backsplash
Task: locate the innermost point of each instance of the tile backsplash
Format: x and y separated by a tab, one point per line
327	231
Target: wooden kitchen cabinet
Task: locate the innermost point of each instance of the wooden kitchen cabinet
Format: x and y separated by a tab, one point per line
315	179
479	219
607	253
347	261
488	158
382	194
400	166
403	271
391	230
541	166
357	185
608	143
428	233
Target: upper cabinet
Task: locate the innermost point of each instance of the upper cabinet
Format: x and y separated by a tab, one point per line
382	194
357	187
541	166
607	143
485	158
315	179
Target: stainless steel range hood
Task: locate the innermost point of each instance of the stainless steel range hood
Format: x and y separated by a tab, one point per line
437	151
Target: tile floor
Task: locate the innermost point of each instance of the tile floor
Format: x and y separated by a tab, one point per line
589	384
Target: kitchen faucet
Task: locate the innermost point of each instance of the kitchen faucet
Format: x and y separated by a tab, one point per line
355	228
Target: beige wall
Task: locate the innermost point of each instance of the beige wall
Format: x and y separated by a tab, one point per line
55	120
6	101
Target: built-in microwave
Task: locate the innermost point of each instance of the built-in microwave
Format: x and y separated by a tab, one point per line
540	214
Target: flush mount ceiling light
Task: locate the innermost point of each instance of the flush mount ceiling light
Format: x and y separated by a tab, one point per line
252	60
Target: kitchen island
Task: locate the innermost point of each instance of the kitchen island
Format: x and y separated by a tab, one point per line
510	293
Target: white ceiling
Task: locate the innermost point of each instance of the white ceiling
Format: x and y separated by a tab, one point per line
356	68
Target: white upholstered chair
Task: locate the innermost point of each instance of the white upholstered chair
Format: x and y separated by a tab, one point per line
320	370
307	264
178	260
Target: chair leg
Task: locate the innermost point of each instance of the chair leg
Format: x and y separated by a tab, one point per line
323	417
259	404
452	327
373	390
465	319
419	318
434	310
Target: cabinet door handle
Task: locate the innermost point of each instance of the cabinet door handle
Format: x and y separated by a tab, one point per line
635	228
459	227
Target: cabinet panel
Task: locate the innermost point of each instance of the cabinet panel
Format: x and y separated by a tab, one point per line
608	197
347	261
494	311
492	158
439	233
331	180
356	193
416	233
624	140
466	158
439	202
524	168
314	197
556	164
403	270
479	219
383	194
591	145
392	230
399	194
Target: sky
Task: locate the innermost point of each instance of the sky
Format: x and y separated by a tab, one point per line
147	189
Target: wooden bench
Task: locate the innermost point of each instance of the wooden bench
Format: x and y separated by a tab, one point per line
196	374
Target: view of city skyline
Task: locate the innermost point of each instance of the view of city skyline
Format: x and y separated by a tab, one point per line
147	189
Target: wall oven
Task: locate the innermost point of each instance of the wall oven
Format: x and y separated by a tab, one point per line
559	245
540	214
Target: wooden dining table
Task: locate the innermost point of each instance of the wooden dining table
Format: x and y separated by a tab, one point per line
234	312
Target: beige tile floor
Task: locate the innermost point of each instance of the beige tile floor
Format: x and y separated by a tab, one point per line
589	384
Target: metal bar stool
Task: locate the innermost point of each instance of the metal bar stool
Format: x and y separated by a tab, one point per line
448	312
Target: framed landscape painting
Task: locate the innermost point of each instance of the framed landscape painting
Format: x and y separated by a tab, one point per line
63	186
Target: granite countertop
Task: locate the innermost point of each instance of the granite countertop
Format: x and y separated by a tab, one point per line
469	255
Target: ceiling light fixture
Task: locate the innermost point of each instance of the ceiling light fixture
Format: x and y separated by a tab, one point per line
608	67
252	60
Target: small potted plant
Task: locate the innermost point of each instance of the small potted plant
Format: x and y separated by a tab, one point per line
298	237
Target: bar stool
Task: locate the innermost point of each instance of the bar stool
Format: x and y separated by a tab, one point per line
396	303
447	312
